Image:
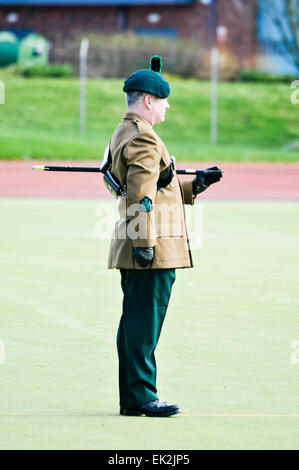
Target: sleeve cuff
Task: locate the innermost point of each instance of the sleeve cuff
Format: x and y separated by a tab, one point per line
187	192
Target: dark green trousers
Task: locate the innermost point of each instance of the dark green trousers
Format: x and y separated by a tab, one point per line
146	296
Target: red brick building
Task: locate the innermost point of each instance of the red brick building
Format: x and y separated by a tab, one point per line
60	20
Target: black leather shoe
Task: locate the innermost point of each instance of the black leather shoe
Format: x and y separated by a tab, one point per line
154	408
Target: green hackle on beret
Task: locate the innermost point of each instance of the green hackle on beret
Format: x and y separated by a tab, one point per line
149	80
156	63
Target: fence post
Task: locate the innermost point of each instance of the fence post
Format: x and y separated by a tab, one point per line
214	95
83	74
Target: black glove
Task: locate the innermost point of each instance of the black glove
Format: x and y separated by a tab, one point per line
213	175
143	256
205	178
166	175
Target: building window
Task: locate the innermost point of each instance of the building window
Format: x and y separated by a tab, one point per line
165	32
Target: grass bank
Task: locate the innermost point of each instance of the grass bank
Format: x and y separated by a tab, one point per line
40	120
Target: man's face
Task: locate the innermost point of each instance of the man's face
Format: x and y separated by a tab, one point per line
159	107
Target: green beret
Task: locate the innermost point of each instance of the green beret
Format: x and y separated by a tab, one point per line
149	80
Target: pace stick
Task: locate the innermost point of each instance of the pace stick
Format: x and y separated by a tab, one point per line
92	169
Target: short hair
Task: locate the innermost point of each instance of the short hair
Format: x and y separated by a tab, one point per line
135	96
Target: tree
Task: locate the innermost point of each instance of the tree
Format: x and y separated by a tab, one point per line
285	16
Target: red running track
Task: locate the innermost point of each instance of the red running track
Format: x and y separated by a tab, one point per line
241	181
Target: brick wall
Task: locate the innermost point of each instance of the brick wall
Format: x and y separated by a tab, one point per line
191	21
60	23
242	36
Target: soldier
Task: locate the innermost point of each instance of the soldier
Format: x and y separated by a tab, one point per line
150	239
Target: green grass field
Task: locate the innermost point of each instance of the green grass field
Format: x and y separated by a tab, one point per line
224	353
40	120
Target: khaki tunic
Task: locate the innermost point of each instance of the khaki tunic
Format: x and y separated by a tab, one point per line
138	157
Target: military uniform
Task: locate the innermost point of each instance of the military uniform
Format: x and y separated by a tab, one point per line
138	158
151	217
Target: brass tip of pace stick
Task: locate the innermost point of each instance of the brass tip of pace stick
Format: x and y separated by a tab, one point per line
38	167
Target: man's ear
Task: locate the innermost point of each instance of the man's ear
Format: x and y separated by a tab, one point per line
148	102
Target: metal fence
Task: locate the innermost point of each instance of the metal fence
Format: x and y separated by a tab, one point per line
105	62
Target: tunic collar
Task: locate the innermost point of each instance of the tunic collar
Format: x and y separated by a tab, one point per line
136	118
